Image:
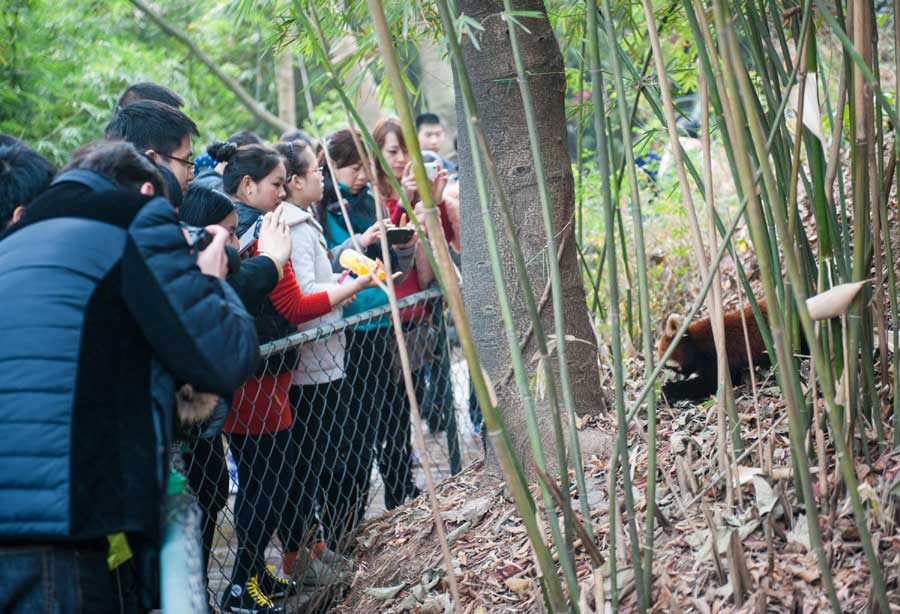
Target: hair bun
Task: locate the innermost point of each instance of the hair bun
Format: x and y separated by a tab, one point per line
222	151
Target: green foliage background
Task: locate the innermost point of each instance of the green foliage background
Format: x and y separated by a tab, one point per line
64	64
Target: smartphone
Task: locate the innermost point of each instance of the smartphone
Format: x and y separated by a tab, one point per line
431	169
397	235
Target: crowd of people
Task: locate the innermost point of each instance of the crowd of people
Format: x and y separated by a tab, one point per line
139	282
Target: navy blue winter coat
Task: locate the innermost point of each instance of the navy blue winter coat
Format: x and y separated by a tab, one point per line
103	310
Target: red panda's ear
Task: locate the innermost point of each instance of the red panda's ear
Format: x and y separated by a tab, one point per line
673	324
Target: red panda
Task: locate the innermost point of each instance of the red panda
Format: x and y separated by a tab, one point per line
696	353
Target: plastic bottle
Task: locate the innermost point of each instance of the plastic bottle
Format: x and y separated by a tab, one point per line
358	264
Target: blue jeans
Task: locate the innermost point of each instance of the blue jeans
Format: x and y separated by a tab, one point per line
54	579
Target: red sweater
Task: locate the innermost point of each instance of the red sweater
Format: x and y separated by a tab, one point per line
261	405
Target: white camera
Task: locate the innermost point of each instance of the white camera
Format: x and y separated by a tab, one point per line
431	169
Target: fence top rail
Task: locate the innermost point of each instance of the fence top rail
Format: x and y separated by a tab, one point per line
297	339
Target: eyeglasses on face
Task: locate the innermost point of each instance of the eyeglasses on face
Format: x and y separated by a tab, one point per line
184	161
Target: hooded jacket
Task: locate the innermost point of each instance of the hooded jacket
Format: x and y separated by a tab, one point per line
321	361
104	309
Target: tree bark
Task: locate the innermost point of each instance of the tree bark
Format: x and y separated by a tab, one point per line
287	100
492	73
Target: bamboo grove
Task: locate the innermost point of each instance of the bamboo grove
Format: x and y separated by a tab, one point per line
751	58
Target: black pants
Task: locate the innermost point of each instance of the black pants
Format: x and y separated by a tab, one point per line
265	465
207	475
319	417
380	415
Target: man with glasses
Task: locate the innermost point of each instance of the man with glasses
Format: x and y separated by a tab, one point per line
162	132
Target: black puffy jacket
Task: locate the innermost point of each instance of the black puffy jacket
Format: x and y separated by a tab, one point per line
103	310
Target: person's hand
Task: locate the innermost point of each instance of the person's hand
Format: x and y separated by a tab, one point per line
371	236
451	200
404	221
213	260
275	237
364	282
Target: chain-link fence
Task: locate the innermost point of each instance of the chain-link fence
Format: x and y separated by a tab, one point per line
319	440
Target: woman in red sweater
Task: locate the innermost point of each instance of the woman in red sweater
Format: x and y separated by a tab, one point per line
259	424
388	136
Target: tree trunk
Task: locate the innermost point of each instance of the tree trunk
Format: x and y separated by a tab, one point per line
492	73
365	94
287	101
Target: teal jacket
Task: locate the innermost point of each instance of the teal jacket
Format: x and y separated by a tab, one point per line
361	211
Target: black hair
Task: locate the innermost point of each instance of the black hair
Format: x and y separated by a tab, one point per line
245	137
121	163
149	91
221	151
255	161
296	135
148	124
23	175
341	149
427	118
292	152
204	206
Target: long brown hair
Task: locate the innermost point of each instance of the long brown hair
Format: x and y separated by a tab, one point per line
386	126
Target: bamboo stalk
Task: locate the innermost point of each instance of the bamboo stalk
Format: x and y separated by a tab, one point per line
892	283
313	28
550	579
696	235
646	335
602	166
479	142
844	459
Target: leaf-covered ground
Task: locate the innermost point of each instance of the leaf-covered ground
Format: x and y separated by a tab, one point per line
763	537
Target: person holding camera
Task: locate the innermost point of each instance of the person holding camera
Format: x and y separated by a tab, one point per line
105	309
256	277
376	400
